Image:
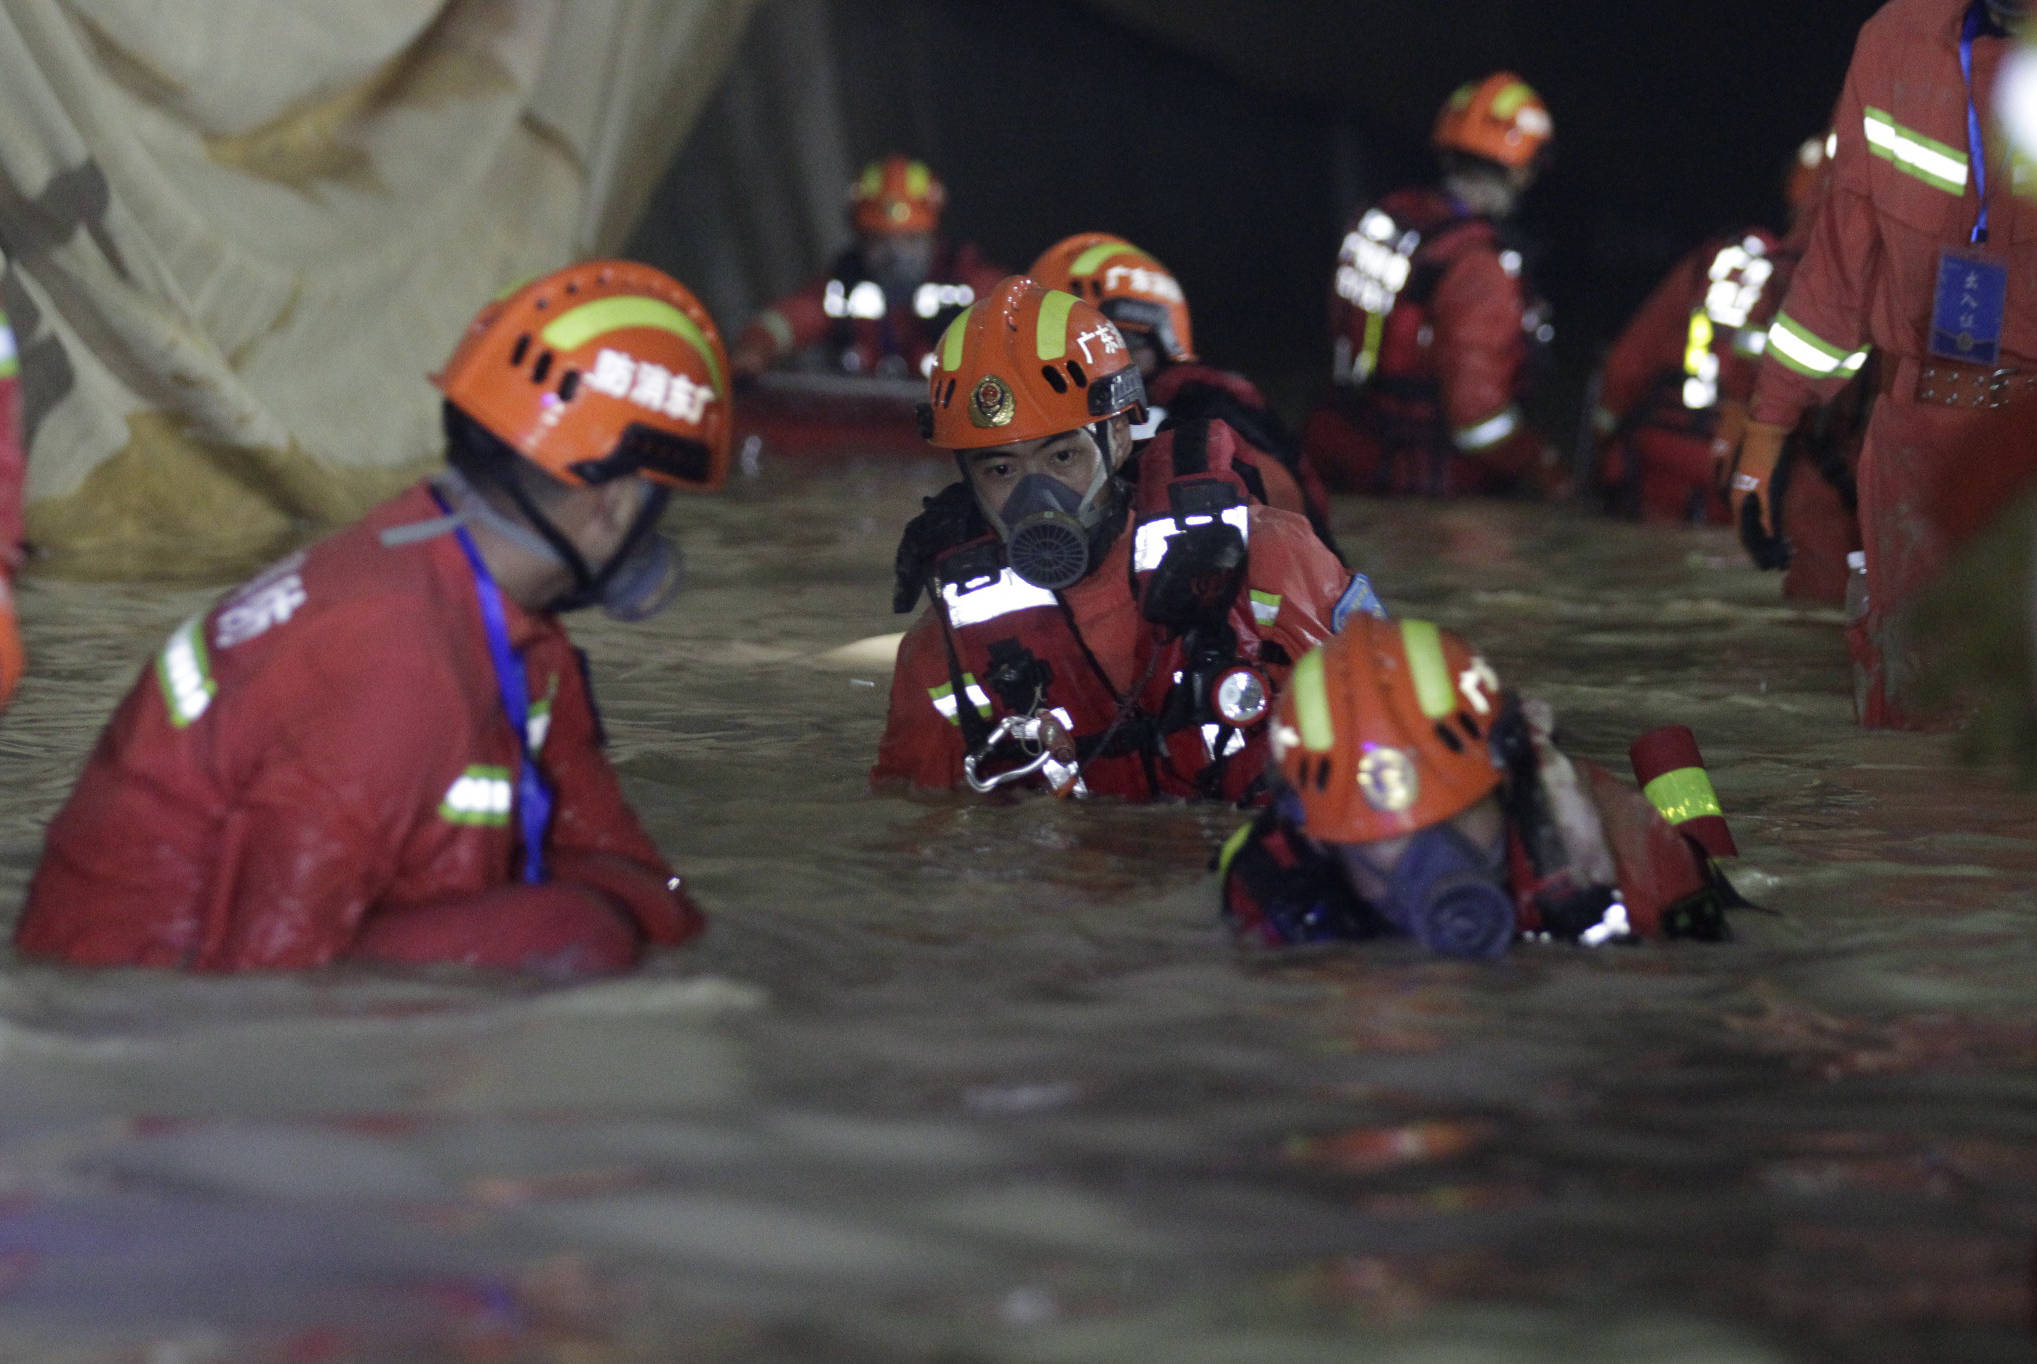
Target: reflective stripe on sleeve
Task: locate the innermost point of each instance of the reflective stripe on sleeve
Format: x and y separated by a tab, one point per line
1798	347
1488	433
1265	608
1909	151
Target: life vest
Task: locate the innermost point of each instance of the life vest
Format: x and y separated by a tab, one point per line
1389	267
1727	327
866	331
1013	648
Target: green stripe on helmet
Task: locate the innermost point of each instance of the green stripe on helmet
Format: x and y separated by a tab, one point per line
1051	337
1097	255
575	328
953	341
1312	703
1427	667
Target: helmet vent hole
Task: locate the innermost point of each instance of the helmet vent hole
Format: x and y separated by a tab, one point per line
1449	737
1322	773
516	356
1075	373
569	384
947	393
1469	726
543	370
1054	379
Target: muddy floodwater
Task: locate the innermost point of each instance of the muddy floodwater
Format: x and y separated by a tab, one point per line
949	1081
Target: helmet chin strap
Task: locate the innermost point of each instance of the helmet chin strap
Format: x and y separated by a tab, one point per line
535	532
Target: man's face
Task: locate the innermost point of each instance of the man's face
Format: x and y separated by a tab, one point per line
1071	458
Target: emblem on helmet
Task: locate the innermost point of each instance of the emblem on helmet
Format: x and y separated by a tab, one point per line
991	403
1388	780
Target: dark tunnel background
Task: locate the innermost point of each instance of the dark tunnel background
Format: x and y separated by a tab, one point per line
1232	140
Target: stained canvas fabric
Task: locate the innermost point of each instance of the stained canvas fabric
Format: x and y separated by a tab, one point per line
238	234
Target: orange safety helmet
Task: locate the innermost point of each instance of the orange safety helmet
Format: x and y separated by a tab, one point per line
1026	362
601	370
1126	284
1805	171
1385	730
895	196
1500	118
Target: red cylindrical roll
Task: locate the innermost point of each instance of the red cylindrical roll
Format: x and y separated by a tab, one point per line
1673	777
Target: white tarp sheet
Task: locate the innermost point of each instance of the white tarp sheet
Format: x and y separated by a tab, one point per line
238	233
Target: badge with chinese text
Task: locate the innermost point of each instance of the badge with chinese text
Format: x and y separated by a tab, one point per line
1966	319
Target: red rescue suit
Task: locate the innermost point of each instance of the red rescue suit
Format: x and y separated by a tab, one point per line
863	331
1178	393
320	767
991	645
1663	380
1948	443
1433	330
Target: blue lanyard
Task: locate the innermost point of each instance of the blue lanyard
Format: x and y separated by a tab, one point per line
533	796
1976	20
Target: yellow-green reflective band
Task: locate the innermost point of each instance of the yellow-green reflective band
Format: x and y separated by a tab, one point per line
873	179
1683	794
918	179
1508	102
1097	255
574	329
1051	337
184	671
1462	96
1802	350
1909	151
952	341
481	796
1312	703
1231	846
1426	665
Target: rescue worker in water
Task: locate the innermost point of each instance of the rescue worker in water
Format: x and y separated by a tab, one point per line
1437	334
881	303
1922	251
1097	624
384	747
1416	796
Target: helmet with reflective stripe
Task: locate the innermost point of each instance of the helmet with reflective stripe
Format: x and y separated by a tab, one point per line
896	195
1126	284
1026	362
1500	118
601	370
1384	730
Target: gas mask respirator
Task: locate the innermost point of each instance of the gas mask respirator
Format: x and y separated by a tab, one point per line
1446	893
1053	535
